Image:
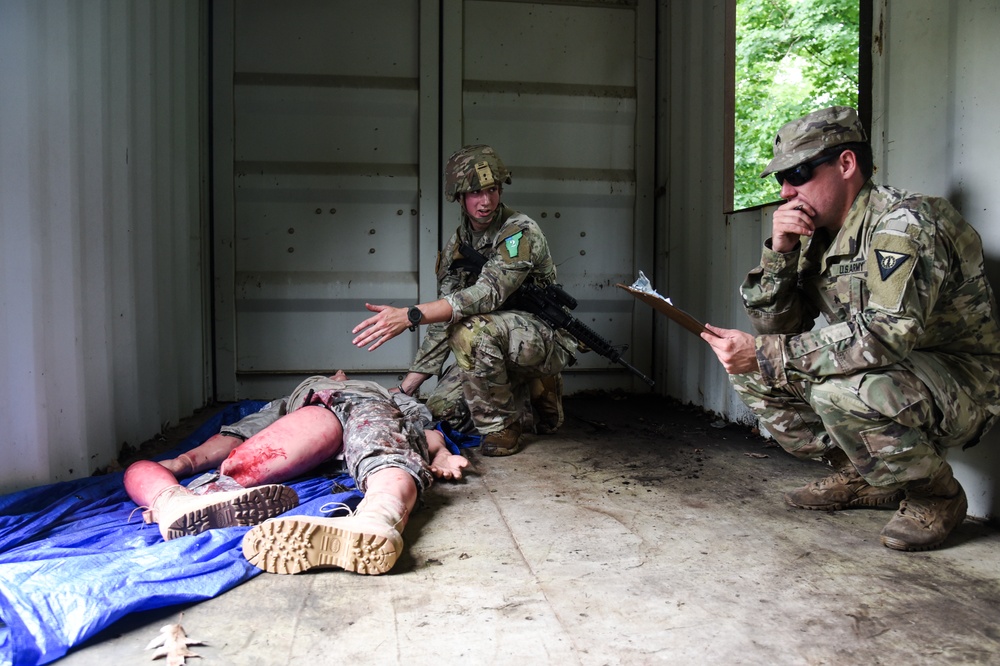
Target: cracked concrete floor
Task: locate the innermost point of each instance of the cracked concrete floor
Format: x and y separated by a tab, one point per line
641	533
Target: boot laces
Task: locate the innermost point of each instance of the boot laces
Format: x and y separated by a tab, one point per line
147	511
915	509
333	507
838	479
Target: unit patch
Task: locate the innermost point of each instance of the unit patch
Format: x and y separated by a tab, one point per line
512	242
895	255
888	262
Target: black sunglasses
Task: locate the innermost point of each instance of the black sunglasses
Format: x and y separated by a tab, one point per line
803	173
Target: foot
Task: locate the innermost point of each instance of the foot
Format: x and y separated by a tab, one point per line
507	442
842	490
294	544
181	513
926	517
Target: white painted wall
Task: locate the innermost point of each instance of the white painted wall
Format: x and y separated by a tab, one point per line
102	331
935	130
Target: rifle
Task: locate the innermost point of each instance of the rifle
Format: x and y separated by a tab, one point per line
551	304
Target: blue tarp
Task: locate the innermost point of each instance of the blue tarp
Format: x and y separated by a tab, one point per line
74	558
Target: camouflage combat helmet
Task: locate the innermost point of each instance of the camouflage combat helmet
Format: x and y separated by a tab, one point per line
802	139
471	169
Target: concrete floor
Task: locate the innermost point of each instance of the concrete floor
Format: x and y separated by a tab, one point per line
647	535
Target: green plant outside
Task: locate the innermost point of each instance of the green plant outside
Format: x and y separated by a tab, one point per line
792	57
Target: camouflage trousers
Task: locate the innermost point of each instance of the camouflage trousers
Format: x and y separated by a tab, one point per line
890	424
496	357
377	435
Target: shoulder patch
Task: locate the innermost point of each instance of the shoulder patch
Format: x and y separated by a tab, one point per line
511	243
888	262
896	257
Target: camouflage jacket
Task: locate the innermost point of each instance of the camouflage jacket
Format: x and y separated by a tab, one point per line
340	396
514	247
905	274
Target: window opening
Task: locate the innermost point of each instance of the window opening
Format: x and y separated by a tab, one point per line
792	57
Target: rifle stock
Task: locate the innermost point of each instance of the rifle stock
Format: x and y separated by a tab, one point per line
550	305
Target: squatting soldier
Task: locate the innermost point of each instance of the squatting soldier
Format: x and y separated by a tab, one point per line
506	360
909	361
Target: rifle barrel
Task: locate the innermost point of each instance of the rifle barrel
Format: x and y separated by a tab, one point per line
636	372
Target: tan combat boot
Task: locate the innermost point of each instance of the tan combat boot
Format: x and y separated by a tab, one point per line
367	542
507	442
844	489
179	512
546	400
930	512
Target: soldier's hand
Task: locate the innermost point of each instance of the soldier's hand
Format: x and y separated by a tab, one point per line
791	220
735	349
387	323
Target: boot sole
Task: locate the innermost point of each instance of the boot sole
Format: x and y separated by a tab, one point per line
498	452
859	503
899	544
294	544
251	507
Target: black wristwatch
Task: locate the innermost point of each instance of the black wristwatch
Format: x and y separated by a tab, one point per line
414	315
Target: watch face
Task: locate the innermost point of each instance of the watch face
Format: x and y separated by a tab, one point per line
415	315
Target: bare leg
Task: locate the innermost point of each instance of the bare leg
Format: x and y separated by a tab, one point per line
390	495
207	455
290	446
179	512
146	479
444	463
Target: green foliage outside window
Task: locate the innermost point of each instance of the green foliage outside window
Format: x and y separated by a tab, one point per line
792	57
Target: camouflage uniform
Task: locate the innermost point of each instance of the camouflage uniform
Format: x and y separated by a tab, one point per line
380	429
497	351
910	359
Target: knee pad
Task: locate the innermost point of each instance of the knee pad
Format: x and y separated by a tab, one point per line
463	337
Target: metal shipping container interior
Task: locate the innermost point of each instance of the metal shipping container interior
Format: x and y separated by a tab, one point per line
197	198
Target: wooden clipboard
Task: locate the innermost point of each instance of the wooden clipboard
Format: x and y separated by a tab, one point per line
675	313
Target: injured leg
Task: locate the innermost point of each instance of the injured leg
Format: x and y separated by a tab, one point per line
179	512
368	542
289	447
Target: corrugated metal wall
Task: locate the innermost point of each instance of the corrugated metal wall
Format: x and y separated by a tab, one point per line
701	252
326	136
102	243
330	122
935	131
578	134
103	332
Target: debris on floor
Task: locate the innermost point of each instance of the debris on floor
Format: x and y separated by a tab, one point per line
173	644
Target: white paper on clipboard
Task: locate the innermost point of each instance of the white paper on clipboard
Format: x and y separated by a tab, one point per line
643	290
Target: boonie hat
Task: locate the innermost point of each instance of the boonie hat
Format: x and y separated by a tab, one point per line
807	137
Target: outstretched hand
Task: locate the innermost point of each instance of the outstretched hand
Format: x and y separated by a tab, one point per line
387	323
736	349
445	465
